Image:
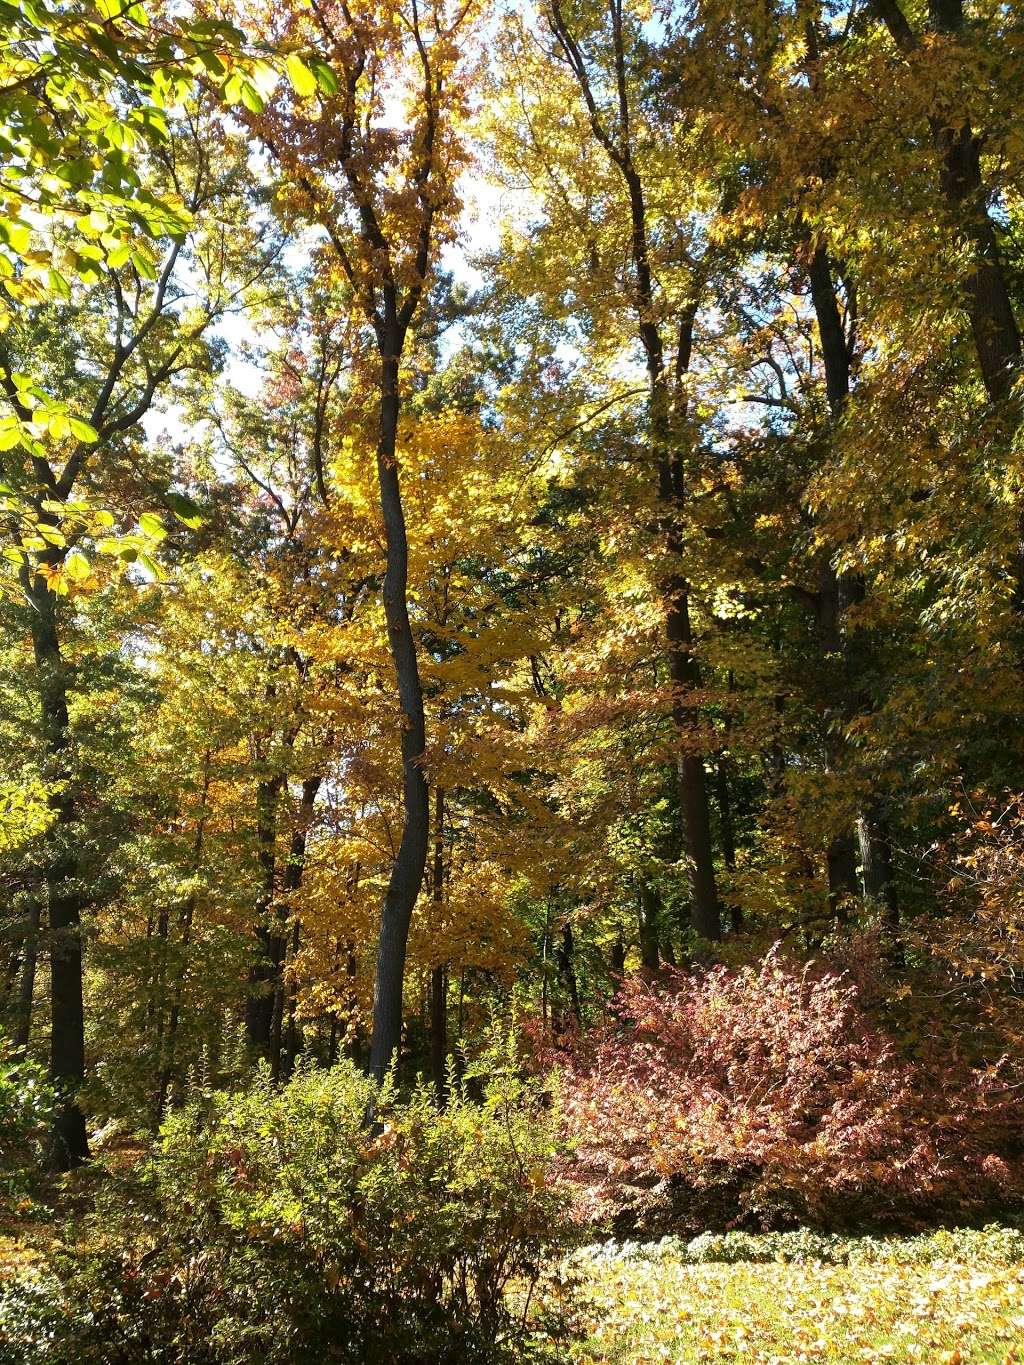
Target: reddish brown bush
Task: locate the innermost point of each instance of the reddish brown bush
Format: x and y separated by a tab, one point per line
766	1096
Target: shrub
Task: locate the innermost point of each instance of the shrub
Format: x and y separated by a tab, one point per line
24	1109
272	1225
766	1097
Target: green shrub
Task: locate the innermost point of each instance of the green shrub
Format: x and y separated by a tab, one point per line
272	1225
24	1109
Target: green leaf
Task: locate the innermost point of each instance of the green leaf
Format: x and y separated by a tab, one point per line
77	566
58	425
151	526
304	81
251	98
185	510
150	568
325	78
83	431
144	265
10	435
16	235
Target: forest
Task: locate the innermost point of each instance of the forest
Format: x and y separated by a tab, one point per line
511	651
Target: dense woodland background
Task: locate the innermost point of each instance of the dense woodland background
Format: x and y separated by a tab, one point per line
512	529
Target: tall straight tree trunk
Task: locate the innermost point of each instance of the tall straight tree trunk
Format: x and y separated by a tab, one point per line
259	1008
837	592
723	797
648	907
614	136
407	871
617	957
27	978
284	1032
439	972
168	1069
64	892
684	670
876	865
566	955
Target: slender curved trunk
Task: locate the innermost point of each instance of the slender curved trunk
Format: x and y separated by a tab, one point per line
411	860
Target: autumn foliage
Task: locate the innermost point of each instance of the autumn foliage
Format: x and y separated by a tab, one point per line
767	1096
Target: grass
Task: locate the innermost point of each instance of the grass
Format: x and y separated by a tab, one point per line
651	1307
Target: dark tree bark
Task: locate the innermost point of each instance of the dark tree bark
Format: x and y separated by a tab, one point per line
684	670
723	796
439	973
876	865
410	862
566	955
27	977
649	908
168	1068
284	1039
617	962
836	593
259	1008
62	878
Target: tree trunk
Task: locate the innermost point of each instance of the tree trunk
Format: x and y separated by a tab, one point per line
284	1029
168	1069
566	954
836	591
649	906
617	962
407	871
259	1009
728	831
27	981
684	670
64	894
439	973
876	865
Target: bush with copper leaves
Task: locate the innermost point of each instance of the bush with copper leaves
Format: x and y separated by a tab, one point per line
767	1097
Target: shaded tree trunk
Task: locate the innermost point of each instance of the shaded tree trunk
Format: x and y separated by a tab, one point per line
566	955
614	136
27	978
284	1040
263	975
876	865
439	973
407	871
649	907
728	835
62	878
168	1070
837	592
617	961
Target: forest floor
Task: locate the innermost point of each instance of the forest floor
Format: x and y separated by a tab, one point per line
646	1308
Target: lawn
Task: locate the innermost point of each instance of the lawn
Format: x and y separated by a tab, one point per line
655	1306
